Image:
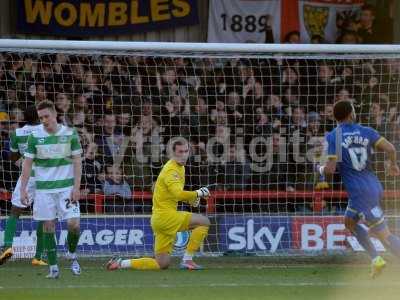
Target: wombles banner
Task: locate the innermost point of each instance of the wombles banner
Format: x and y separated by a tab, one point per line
103	17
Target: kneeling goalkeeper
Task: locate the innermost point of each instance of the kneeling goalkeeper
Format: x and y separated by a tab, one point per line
166	221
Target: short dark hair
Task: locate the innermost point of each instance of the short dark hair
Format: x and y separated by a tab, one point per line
30	115
342	109
45	104
369	7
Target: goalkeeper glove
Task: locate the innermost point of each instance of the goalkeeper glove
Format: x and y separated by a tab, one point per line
201	193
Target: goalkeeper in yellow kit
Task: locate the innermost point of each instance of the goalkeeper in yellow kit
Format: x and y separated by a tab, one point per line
166	221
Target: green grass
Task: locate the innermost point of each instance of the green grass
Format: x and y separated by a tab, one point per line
225	278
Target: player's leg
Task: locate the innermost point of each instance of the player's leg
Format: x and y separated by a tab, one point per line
44	209
11	226
143	263
165	229
199	225
38	258
162	248
70	211
49	241
377	227
73	226
351	221
391	241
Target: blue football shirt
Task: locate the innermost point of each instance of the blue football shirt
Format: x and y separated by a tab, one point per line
352	145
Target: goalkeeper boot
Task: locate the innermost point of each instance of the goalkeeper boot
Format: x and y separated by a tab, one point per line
6	255
75	268
114	264
38	262
54	272
190	265
377	266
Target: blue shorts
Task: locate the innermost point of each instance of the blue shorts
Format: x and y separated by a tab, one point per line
371	214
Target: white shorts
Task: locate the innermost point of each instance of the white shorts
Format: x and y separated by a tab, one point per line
16	195
49	206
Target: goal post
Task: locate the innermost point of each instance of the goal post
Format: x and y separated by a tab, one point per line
255	117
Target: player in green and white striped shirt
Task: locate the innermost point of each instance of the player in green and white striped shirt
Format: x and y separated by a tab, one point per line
55	151
18	145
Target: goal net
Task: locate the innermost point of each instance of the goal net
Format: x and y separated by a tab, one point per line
255	117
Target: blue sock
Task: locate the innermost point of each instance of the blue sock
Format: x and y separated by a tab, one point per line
394	244
363	238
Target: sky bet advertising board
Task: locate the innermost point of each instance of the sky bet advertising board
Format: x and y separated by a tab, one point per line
230	233
103	17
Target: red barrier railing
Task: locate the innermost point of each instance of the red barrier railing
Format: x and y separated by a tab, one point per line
316	198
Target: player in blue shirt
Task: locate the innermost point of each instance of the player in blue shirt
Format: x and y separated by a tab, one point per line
349	149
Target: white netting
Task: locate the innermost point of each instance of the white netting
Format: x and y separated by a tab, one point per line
255	122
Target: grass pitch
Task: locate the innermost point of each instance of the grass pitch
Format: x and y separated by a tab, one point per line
225	278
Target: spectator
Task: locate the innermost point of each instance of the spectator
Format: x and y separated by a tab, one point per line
109	139
124	123
292	37
349	37
39	93
234	111
317	39
327	119
91	169
377	118
63	106
367	29
115	184
236	170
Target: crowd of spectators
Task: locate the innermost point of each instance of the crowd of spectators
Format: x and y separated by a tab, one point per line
255	123
368	25
252	123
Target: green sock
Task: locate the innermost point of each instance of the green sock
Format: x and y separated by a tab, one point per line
72	239
11	227
50	246
39	240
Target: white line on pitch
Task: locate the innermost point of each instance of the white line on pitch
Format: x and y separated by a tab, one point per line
272	284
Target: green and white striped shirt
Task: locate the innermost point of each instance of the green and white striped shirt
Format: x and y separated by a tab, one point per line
19	140
52	157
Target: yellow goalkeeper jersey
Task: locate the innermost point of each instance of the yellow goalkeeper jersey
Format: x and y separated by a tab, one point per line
169	188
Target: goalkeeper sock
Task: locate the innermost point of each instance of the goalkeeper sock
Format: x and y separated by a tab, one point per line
9	233
144	263
39	240
50	247
72	239
196	239
362	236
394	244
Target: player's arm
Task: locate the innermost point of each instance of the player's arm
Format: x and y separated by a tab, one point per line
77	163
14	155
26	172
384	145
27	164
76	151
175	187
329	168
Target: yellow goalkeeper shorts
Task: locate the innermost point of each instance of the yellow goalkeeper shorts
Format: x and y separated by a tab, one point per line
165	226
